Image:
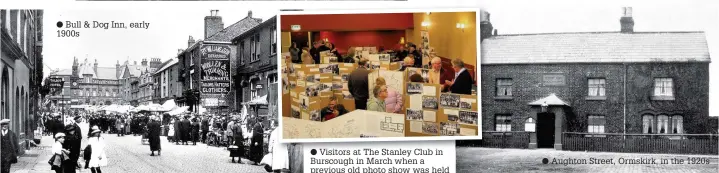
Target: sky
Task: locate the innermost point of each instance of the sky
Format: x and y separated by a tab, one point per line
168	31
523	17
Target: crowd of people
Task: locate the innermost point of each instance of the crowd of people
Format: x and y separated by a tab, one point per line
457	80
247	137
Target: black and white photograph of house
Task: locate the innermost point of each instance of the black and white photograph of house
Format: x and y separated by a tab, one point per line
603	81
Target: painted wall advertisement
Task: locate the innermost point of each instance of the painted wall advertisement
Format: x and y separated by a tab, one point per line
215	74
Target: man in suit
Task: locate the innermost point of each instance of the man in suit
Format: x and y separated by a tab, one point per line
185	127
258	137
205	127
462	83
9	146
73	141
358	84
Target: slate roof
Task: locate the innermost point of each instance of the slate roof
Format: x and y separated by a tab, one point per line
232	31
101	73
596	47
167	64
106	73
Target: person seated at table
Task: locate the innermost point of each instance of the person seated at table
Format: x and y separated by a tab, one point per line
330	111
407	63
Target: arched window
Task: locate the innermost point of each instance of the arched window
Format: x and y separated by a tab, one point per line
648	124
677	124
663	124
529	125
4	95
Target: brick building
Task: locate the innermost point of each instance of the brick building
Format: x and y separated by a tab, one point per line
200	63
20	70
257	67
553	90
167	83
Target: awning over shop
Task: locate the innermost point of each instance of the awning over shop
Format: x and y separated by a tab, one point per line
258	101
551	100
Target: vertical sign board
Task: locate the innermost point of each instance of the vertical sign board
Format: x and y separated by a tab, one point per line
215	74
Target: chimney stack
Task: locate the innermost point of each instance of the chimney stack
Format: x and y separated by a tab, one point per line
213	24
249	14
485	26
627	21
144	62
190	42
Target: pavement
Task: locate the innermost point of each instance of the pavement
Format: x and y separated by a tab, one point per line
475	159
128	154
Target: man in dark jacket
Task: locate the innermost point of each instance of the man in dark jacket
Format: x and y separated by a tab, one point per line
315	51
9	146
73	141
358	85
463	81
417	55
153	136
401	54
205	127
185	127
258	134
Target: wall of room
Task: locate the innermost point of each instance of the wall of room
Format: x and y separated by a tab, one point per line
447	40
345	39
348	22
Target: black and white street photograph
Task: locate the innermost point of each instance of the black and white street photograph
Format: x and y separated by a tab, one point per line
135	91
467	117
449	128
430	128
415	115
449	100
565	83
465	105
429	102
414	88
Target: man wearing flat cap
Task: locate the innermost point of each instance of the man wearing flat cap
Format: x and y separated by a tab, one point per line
9	146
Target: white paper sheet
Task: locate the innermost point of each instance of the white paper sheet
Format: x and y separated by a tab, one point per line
415	126
467	132
429	90
415	101
430	116
468	100
451	112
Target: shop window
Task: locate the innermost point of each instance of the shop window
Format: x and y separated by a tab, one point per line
504	87
595	124
663	89
503	123
273	34
595	87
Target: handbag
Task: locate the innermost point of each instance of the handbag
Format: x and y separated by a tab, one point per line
52	159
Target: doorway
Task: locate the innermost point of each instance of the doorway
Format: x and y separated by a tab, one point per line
301	38
545	130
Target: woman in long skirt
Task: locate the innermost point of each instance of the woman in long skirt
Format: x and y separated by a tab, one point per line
153	136
239	141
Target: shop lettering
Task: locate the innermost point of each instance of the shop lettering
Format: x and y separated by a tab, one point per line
215	90
225	50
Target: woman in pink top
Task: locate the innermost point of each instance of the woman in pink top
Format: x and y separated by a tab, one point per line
393	102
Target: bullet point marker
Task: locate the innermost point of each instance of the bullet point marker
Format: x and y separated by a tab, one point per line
313	152
59	24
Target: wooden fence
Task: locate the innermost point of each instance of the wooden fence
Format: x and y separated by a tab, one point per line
642	143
